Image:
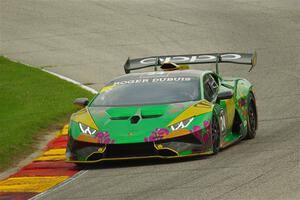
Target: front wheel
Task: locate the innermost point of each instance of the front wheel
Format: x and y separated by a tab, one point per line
215	131
252	118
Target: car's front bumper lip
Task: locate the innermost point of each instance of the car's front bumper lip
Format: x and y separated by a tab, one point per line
182	146
140	157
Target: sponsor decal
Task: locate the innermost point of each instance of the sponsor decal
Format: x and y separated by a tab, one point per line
182	124
86	129
154	80
189	59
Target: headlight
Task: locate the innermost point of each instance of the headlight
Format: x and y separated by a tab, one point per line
182	124
86	129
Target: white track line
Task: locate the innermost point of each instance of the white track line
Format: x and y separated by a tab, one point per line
59	76
71	81
60	185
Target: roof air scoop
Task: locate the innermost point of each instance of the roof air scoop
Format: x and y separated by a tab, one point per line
135	119
169	66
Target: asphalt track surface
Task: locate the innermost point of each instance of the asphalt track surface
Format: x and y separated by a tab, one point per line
89	42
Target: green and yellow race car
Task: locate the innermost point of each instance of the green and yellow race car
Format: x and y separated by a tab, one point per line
168	113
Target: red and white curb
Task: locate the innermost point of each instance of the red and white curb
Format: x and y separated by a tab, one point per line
45	172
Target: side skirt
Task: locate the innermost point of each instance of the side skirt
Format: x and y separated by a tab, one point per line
230	139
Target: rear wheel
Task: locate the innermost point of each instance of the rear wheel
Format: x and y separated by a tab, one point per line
252	118
215	131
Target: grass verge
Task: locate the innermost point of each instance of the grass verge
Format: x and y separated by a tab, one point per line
30	101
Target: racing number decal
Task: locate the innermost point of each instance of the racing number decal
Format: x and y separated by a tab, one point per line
223	122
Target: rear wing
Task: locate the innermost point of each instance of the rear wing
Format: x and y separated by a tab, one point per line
154	61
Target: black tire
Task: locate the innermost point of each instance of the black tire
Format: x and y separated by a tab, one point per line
252	118
215	132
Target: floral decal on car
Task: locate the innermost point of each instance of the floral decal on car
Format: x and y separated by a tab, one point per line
104	138
157	134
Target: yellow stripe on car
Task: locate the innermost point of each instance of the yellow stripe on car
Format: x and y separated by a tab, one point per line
84	117
199	108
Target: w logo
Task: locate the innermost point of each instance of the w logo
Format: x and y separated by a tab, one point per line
86	129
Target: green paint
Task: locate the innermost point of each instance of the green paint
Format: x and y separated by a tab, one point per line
231	137
123	131
185	153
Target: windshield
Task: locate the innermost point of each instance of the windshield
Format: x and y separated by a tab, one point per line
142	91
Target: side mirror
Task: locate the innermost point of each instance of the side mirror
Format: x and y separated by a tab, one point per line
81	102
225	95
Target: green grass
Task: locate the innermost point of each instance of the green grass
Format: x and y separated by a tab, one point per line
30	101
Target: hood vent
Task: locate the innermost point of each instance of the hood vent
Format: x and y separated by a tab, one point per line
150	116
143	117
119	118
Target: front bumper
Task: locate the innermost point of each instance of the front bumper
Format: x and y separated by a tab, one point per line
188	145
